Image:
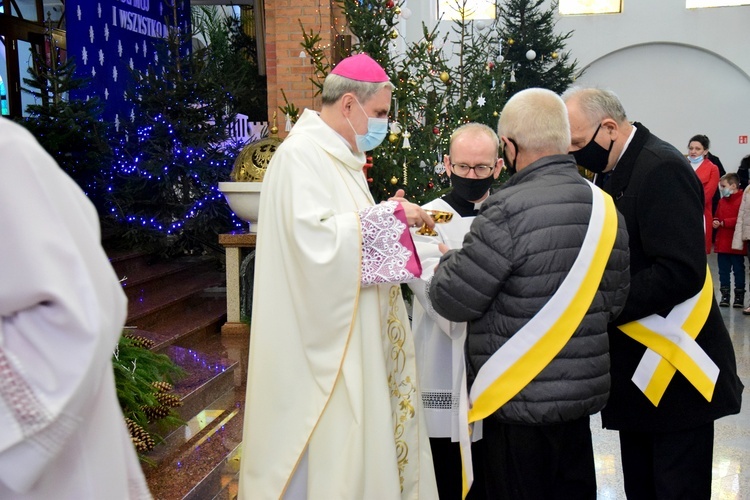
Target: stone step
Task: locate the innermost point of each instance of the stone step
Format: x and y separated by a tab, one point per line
207	376
180	305
136	271
185	323
152	301
196	461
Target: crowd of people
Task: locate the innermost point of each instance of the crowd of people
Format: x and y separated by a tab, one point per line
538	304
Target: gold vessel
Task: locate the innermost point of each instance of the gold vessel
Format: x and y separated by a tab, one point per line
440	217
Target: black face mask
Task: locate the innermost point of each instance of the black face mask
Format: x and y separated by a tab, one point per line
510	167
592	156
470	189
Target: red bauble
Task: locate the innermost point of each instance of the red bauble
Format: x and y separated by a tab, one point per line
430	185
435	130
389	4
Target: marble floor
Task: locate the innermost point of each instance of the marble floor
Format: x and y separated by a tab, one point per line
731	470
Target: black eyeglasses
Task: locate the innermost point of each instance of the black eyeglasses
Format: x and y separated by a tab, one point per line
481	171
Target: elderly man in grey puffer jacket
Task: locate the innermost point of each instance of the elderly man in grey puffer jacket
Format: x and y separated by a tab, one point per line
543	270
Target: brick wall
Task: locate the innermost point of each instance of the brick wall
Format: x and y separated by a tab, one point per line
284	67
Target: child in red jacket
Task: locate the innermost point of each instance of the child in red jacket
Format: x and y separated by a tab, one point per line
730	260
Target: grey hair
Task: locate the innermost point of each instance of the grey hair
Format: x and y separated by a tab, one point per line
474	127
335	86
537	120
597	104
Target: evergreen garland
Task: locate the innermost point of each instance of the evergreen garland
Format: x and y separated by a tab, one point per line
143	380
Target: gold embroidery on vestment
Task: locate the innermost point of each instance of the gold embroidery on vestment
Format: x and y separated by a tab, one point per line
401	384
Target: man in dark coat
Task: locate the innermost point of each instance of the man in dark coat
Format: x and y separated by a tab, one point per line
547	243
666	436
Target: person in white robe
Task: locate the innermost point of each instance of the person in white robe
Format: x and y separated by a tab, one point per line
472	165
332	408
62	310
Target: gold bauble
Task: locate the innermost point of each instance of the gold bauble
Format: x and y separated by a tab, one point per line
555	55
394	34
495	113
511	41
397	11
393	138
444	77
394	180
252	162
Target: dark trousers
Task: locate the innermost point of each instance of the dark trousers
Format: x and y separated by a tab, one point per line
446	457
539	462
729	262
668	465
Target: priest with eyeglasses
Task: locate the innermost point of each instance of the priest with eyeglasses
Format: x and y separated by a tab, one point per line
472	166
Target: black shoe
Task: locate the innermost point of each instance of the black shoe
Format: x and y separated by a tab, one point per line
739	298
725	295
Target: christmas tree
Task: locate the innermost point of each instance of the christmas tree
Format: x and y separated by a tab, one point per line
70	130
534	52
169	160
444	80
231	54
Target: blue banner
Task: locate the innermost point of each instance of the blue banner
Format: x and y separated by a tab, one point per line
110	38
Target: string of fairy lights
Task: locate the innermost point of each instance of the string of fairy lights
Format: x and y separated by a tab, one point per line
126	165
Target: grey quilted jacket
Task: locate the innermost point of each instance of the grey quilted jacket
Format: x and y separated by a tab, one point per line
520	248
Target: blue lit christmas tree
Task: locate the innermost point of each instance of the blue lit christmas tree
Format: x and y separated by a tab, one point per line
170	158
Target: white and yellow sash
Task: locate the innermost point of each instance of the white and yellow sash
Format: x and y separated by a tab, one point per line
537	343
672	346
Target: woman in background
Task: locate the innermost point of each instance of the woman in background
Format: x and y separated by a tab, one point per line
708	173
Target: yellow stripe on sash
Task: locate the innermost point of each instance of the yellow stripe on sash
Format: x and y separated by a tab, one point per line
534	351
672	347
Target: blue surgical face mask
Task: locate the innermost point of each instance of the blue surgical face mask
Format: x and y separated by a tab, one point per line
377	128
696	160
725	193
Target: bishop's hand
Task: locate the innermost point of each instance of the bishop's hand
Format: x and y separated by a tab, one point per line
415	215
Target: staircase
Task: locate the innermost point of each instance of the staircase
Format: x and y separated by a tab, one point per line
180	304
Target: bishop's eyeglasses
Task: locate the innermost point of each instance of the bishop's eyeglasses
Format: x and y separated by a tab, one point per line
481	171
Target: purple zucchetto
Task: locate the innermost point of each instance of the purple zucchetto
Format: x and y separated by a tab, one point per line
362	68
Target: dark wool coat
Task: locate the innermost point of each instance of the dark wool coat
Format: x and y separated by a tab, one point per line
517	253
661	199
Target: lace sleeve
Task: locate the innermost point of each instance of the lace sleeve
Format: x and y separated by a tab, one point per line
388	254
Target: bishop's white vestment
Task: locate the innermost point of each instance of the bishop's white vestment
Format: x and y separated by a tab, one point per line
62	310
332	395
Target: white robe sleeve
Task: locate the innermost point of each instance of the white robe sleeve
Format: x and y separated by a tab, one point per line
61	309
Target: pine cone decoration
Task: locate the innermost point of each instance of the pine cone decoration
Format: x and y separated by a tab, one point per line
142	440
155	413
169	400
162	386
139	341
